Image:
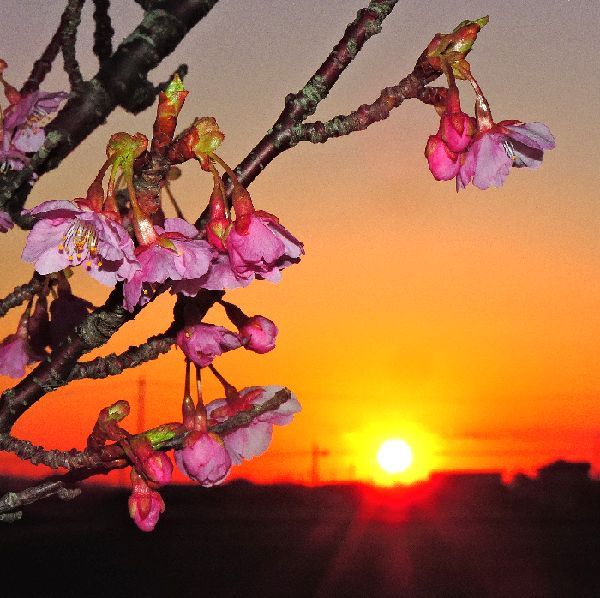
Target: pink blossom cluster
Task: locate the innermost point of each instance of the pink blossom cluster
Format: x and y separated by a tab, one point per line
207	458
80	232
480	151
22	128
201	342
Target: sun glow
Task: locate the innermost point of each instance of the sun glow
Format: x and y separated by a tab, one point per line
409	452
395	456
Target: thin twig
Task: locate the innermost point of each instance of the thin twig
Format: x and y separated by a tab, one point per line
94	331
113	364
68	39
103	32
11	502
368	114
301	105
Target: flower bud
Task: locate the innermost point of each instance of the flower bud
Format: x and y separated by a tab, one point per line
208	138
204	458
155	465
122	150
453	47
106	427
145	505
170	102
444	164
456	127
14	350
258	334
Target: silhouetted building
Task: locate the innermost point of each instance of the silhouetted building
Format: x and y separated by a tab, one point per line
565	473
561	487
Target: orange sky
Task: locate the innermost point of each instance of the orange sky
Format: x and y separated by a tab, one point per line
468	322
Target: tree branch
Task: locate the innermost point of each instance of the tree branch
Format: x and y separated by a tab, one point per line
103	32
12	501
84	464
42	66
367	114
68	39
52	373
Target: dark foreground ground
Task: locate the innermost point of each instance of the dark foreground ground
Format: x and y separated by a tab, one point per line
271	541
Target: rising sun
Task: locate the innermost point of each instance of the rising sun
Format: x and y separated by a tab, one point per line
395	456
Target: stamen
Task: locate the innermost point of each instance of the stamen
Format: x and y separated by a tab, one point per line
509	149
80	238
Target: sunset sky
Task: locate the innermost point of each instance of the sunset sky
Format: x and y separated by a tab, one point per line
466	324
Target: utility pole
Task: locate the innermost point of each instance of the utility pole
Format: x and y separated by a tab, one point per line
141	414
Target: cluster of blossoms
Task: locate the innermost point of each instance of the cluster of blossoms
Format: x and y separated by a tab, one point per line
143	249
476	150
22	128
122	236
205	457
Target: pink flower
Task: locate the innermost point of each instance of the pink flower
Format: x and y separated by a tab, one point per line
6	222
505	144
158	467
204	458
254	439
176	254
69	234
145	506
258	245
14	355
443	150
219	276
201	343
